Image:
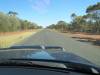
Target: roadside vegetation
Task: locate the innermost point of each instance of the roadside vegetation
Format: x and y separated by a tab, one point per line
8	40
9	22
88	23
13	29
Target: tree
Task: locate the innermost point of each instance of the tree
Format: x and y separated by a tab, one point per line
73	15
89	22
92	8
62	25
15	23
25	24
4	23
52	26
94	15
12	13
78	23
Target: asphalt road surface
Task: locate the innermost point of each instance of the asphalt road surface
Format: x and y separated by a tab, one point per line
51	38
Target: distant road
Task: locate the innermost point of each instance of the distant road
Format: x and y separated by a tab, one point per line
48	37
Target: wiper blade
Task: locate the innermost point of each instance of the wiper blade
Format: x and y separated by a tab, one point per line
15	62
40	47
23	47
70	66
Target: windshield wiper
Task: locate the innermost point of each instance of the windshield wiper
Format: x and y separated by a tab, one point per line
37	47
70	66
27	63
23	47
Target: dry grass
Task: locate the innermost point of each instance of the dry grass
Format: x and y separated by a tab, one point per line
10	38
86	36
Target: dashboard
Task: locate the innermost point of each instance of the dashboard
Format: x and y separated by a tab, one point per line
32	71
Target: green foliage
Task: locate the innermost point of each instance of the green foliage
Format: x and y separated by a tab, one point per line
61	25
15	23
28	25
78	23
52	26
73	15
93	14
4	22
11	13
92	8
9	22
86	23
89	22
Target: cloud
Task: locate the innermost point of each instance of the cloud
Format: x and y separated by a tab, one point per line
40	6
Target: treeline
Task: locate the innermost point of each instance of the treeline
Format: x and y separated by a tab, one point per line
10	22
61	26
89	23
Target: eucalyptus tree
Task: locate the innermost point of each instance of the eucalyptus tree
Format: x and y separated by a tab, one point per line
12	13
94	15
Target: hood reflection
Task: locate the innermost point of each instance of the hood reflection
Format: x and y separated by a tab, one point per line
40	55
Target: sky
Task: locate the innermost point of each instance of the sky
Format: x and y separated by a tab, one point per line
46	12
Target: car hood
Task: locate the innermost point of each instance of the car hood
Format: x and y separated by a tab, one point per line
43	54
63	56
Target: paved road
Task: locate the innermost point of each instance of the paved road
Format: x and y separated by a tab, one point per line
48	37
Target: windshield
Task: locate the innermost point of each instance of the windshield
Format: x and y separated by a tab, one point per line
63	30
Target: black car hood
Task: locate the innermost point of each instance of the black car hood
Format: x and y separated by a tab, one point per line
59	55
43	54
